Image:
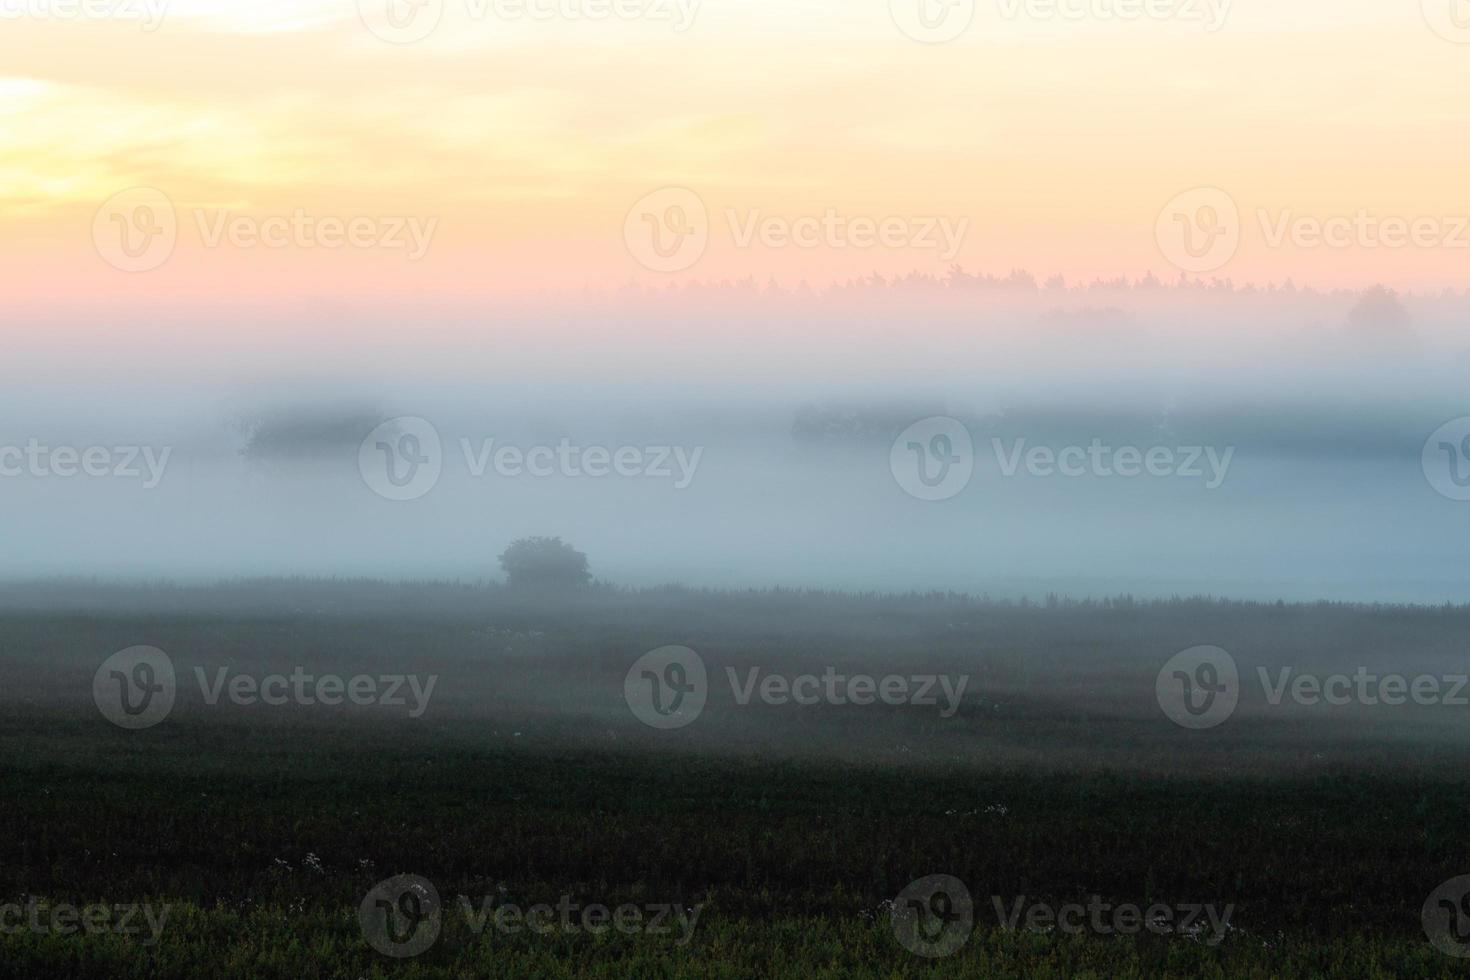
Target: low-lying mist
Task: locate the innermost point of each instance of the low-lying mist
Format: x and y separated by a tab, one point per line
1156	441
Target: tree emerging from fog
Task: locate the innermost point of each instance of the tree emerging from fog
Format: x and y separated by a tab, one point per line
544	563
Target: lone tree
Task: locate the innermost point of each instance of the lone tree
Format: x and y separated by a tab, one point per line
544	563
1380	317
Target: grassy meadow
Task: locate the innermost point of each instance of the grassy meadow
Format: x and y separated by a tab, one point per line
527	780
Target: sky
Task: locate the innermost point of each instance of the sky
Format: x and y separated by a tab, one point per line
501	220
206	151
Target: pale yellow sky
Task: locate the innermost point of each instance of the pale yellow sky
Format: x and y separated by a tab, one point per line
1054	141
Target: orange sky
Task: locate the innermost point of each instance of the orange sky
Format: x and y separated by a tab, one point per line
517	146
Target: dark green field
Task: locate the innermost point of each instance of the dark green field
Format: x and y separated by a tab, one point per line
791	829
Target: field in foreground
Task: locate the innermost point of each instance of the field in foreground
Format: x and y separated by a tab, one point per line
791	831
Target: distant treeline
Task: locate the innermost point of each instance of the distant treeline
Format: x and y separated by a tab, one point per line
367	596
